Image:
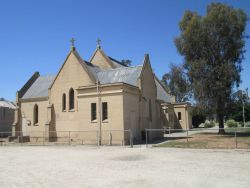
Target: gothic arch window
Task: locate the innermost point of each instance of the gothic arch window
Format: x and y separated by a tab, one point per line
36	112
71	99
64	102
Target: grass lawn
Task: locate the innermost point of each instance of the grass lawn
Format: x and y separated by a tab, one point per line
212	140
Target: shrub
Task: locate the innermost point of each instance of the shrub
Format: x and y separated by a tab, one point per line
247	124
231	123
209	124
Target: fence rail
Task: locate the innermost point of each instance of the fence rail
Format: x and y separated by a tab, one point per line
200	138
107	137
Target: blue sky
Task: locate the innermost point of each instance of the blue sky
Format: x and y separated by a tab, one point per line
35	35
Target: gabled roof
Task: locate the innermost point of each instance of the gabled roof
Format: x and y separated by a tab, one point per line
7	104
39	88
118	74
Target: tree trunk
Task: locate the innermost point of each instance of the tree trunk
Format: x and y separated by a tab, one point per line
221	124
220	115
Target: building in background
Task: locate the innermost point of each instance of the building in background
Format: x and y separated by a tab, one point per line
7	110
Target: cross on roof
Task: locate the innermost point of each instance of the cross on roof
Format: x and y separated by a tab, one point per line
72	40
98	43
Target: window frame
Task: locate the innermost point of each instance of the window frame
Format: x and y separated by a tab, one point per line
36	115
104	111
64	100
71	99
179	116
93	112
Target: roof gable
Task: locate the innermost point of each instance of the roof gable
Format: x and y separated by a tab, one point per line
80	61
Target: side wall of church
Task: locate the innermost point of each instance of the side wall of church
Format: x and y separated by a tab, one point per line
149	107
28	127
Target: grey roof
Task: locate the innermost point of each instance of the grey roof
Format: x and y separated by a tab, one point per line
116	63
161	92
7	104
128	75
39	88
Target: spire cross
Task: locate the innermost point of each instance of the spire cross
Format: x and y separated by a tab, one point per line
72	42
98	43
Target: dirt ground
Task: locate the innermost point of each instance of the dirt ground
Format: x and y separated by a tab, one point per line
81	166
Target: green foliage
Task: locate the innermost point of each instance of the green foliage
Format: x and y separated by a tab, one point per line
247	124
126	62
231	123
213	47
209	124
198	116
177	82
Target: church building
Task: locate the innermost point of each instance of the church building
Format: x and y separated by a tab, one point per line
94	98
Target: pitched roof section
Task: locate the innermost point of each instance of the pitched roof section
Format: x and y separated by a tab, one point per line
116	63
7	104
162	93
128	75
40	87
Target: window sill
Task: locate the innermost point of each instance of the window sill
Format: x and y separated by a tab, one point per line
36	124
72	110
94	121
64	111
105	121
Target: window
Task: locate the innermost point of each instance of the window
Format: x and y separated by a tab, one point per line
104	111
93	111
35	114
150	110
64	102
71	99
179	115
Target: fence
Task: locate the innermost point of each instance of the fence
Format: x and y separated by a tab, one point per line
107	137
200	138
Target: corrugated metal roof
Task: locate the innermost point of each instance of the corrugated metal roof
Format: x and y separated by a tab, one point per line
128	75
161	93
7	104
40	87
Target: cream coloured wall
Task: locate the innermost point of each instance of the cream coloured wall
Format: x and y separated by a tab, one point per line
27	120
100	60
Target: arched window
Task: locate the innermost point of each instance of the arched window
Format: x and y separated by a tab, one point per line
71	99
64	102
35	114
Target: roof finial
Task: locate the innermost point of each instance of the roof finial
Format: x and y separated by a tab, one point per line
98	43
72	41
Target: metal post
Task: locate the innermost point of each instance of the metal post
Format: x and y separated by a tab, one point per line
235	135
131	138
187	137
243	108
69	138
43	138
110	138
146	137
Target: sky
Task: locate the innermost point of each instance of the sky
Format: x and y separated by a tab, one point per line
35	35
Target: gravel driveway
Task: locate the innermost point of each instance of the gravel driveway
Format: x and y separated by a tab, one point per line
81	166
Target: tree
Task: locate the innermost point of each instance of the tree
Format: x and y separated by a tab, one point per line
213	48
235	109
126	62
177	83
